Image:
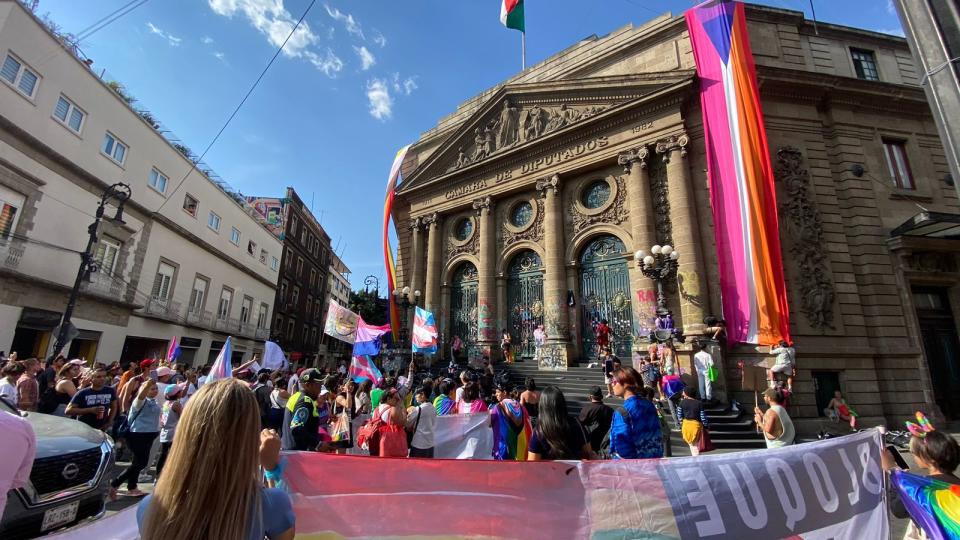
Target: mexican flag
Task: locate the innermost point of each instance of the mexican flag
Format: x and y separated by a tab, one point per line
511	14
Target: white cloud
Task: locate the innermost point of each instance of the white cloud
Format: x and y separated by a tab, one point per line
206	40
171	39
405	86
330	64
366	57
348	21
273	20
892	31
378	94
891	9
379	39
219	55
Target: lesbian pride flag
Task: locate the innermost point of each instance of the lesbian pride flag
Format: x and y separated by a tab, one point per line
741	177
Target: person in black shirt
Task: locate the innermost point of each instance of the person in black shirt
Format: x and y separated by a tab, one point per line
558	435
692	418
261	391
596	418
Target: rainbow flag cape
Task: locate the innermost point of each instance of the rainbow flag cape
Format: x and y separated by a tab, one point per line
742	193
933	504
444	405
387	251
509	441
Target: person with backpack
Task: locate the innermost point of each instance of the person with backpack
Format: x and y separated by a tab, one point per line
391	430
420	423
635	431
596	418
261	391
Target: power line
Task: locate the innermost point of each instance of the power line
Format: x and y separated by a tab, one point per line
107	20
193	165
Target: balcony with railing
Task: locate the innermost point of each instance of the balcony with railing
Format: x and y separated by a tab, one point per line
262	333
106	285
198	317
11	251
163	309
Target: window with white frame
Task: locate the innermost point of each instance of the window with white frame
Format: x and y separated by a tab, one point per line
262	316
235	236
191	204
163	282
223	307
114	148
274	264
10	204
245	308
18	75
198	295
69	114
213	221
897	163
157	180
107	253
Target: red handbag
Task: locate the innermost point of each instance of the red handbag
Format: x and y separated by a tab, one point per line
705	444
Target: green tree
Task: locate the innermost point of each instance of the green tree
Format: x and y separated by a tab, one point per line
369	306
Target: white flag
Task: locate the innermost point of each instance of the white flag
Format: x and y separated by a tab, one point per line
273	357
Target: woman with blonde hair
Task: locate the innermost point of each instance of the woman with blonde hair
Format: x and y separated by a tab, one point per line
211	483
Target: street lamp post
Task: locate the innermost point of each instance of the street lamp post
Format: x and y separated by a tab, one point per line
660	265
369	281
121	193
402	297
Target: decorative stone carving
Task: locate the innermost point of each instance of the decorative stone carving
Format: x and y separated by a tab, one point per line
674	142
803	225
636	155
663	226
549	183
932	261
514	125
533	233
481	204
431	219
470	246
416	223
616	213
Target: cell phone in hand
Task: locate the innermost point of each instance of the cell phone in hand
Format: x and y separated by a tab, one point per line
902	463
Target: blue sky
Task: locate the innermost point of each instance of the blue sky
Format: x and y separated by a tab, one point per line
362	79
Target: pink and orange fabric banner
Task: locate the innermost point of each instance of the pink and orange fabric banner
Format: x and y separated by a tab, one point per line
742	193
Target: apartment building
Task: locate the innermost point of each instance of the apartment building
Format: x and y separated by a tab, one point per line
190	259
302	287
334	351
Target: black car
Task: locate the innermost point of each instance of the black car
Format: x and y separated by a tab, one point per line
69	479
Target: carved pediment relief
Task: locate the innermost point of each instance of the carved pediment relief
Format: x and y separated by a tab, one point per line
519	116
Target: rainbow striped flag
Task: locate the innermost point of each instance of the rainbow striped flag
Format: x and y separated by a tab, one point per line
933	504
387	251
509	441
741	176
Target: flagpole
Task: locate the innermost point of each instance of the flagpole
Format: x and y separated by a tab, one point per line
523	50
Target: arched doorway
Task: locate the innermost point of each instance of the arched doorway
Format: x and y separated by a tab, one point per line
524	300
463	307
605	294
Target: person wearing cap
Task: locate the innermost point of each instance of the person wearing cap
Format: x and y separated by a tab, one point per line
301	419
169	417
596	418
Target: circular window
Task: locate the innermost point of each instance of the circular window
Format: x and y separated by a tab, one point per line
595	195
521	214
463	230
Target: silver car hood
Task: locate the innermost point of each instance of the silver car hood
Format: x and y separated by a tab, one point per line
57	435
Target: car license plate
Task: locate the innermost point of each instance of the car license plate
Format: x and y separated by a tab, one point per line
60	515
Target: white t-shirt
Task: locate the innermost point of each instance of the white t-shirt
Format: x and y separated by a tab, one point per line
423	438
702	361
8	391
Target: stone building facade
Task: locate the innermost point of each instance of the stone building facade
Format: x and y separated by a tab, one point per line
525	207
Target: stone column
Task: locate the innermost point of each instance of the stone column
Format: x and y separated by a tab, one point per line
431	293
502	321
443	320
416	257
686	237
643	230
554	276
486	277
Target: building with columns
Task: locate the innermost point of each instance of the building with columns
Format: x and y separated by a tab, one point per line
525	207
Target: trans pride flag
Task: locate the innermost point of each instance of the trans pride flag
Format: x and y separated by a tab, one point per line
933	504
362	367
424	332
741	177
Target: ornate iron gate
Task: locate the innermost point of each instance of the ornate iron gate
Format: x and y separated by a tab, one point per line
463	308
524	300
605	294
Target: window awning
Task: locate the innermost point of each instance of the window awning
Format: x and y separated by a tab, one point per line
930	225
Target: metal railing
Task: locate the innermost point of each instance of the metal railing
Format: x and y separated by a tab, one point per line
104	284
198	317
11	251
163	308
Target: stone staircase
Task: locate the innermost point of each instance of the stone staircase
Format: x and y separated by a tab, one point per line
729	429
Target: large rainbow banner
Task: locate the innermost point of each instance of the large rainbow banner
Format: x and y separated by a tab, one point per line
741	177
387	252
